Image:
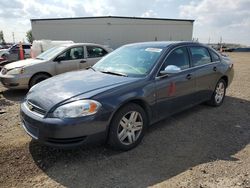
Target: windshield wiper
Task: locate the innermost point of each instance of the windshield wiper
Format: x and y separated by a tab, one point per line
115	73
90	67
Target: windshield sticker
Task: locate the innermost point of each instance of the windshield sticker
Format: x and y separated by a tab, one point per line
158	50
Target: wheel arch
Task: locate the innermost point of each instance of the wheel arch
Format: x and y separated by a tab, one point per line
142	103
42	72
225	78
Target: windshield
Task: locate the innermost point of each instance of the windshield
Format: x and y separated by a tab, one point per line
135	61
50	53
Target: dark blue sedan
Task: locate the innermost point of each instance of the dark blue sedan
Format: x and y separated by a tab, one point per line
129	89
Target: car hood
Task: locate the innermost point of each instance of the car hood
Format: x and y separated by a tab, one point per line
22	63
66	86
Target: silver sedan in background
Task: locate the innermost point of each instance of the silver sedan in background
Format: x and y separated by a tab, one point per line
26	73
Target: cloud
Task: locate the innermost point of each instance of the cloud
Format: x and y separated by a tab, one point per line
10	9
227	18
98	7
149	13
15	15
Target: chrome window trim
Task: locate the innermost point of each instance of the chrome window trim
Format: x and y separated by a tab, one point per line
158	71
157	77
190	68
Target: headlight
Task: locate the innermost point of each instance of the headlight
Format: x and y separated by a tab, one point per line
16	71
77	109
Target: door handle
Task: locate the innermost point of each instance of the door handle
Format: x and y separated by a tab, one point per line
189	76
215	69
83	61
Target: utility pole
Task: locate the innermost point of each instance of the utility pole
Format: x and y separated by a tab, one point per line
209	40
13	36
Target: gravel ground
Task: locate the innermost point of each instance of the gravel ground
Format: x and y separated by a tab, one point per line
200	147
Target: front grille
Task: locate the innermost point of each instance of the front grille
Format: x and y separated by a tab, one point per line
66	140
34	108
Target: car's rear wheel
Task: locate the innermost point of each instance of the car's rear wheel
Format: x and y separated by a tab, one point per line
38	78
219	93
127	127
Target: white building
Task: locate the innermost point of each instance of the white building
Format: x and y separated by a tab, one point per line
112	30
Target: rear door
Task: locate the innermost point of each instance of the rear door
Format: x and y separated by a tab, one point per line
206	72
175	92
94	54
70	60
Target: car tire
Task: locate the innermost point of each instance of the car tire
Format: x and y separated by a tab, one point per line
127	127
38	78
218	94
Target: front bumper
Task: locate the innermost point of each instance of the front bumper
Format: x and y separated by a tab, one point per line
65	132
15	81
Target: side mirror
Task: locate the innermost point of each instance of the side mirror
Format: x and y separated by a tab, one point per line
170	69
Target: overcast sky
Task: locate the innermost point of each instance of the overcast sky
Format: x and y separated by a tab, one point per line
229	19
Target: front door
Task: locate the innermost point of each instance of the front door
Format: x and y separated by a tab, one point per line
175	92
70	60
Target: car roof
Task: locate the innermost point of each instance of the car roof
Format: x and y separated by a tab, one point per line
162	44
80	44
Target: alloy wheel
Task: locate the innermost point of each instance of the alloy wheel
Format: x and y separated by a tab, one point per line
219	92
130	127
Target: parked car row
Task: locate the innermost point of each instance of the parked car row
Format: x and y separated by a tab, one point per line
59	59
5	46
116	99
12	53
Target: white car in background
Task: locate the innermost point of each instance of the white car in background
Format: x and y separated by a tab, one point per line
68	57
40	46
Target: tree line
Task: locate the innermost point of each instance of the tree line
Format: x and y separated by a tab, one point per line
29	37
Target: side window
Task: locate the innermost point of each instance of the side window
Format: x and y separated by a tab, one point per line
72	54
200	56
215	57
94	51
76	53
26	46
179	58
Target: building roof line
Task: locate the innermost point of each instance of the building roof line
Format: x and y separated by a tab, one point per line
119	17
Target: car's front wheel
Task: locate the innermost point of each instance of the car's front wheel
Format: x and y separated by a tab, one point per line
219	93
127	127
38	78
